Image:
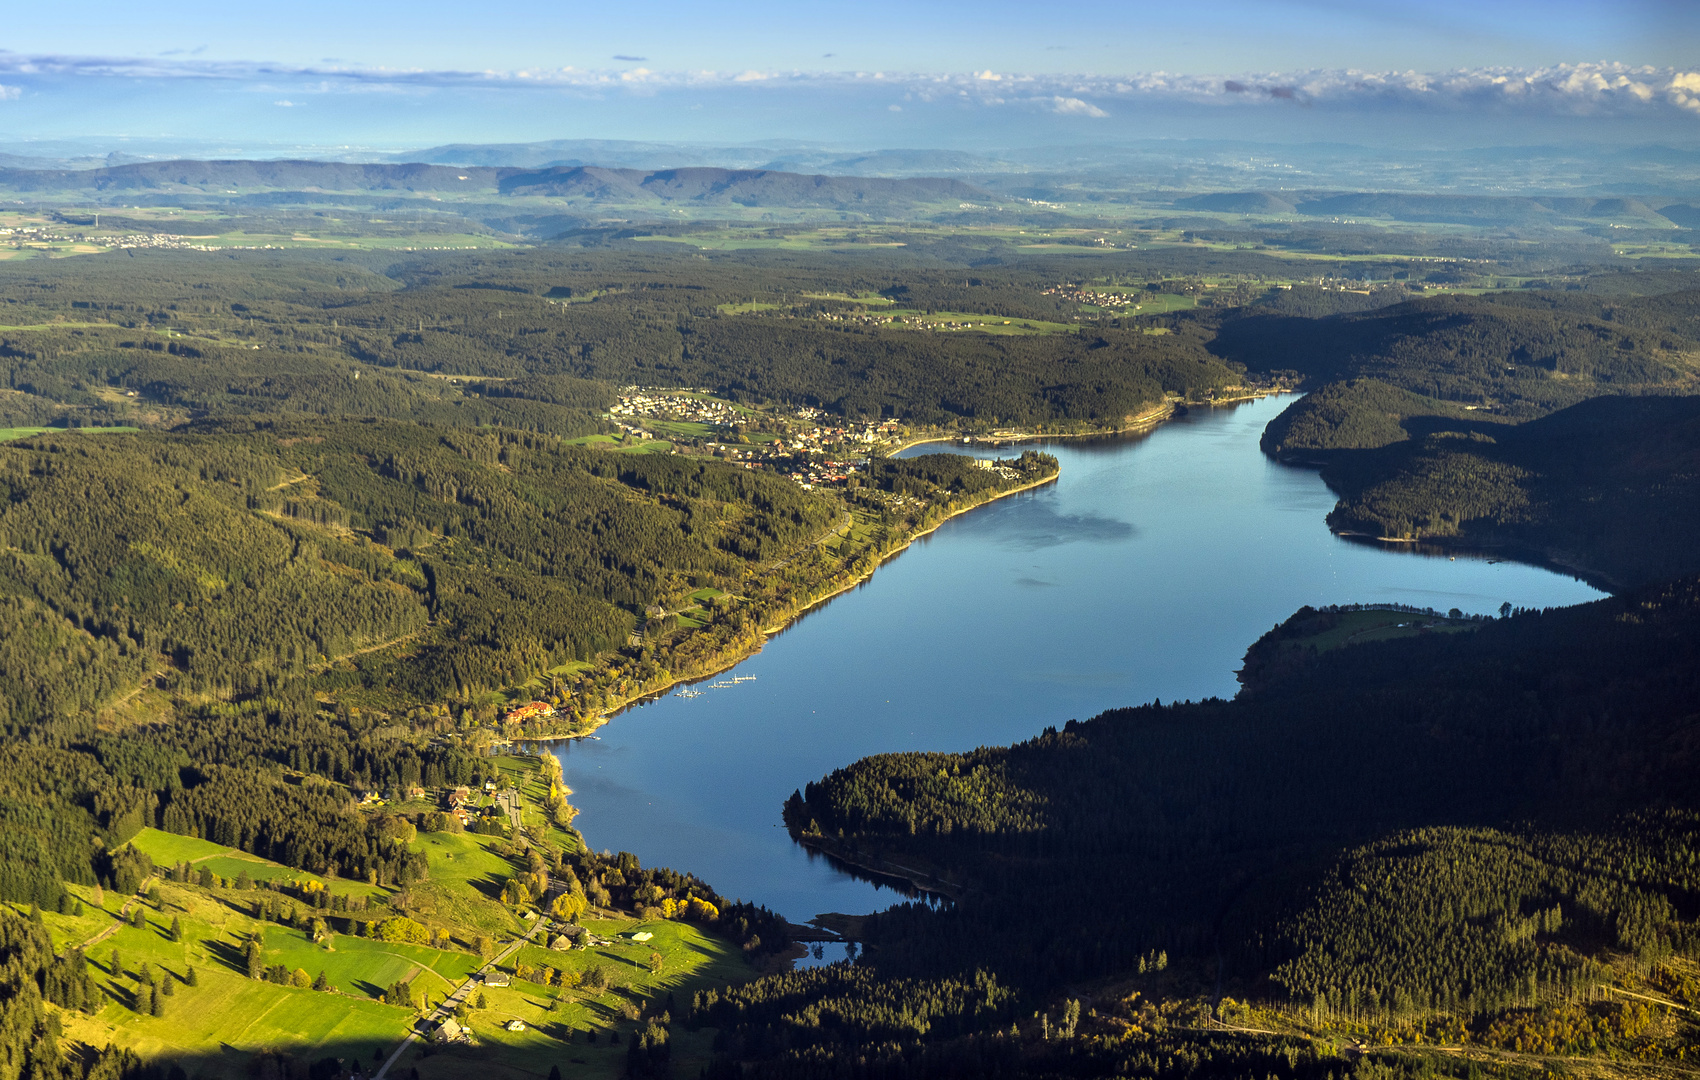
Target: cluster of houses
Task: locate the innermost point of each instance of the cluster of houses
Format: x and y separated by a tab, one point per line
810	474
661	404
1080	294
460	805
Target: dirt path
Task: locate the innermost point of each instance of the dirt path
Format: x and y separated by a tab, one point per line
117	924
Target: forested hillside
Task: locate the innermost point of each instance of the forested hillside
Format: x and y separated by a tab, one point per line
1346	862
1607	487
246	552
1511	357
89	345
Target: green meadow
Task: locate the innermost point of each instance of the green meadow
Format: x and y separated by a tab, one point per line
9	434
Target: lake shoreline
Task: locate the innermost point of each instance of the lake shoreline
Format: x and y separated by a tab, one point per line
1134	538
1149	420
722	664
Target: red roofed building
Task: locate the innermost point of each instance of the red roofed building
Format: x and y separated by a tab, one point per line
530	711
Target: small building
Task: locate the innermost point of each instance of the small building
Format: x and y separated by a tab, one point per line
448	1031
516	1025
642	935
497	978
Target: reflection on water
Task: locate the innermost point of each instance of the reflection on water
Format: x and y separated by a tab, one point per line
1143	572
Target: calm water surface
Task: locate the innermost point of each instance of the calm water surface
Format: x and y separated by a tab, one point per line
1143	572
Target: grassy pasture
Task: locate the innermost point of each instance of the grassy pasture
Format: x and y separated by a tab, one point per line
227	1015
684	428
612	442
168	849
558	1019
465	884
11	434
1357	627
872	299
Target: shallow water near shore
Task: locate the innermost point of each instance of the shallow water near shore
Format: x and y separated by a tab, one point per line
1144	572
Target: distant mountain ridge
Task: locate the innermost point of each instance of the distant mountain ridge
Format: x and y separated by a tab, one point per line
747	187
648	156
211	177
587	183
1447	209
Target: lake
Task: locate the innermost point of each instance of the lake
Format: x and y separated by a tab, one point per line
1143	572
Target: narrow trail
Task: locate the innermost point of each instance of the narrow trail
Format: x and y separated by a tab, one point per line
118	922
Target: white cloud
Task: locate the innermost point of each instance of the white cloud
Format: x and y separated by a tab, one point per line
1595	89
11	93
1073	106
284	104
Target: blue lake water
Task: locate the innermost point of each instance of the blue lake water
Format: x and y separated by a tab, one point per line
1143	572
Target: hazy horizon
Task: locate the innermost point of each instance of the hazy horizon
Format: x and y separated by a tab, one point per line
993	77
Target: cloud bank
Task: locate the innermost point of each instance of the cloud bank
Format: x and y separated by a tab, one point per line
1583	90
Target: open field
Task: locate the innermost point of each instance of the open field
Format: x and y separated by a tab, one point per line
1357	627
684	428
465	884
8	434
558	1020
614	442
168	849
870	299
227	1015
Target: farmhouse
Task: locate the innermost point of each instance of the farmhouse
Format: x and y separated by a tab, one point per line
448	1031
497	978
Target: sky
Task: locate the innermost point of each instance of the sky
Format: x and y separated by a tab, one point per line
387	75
